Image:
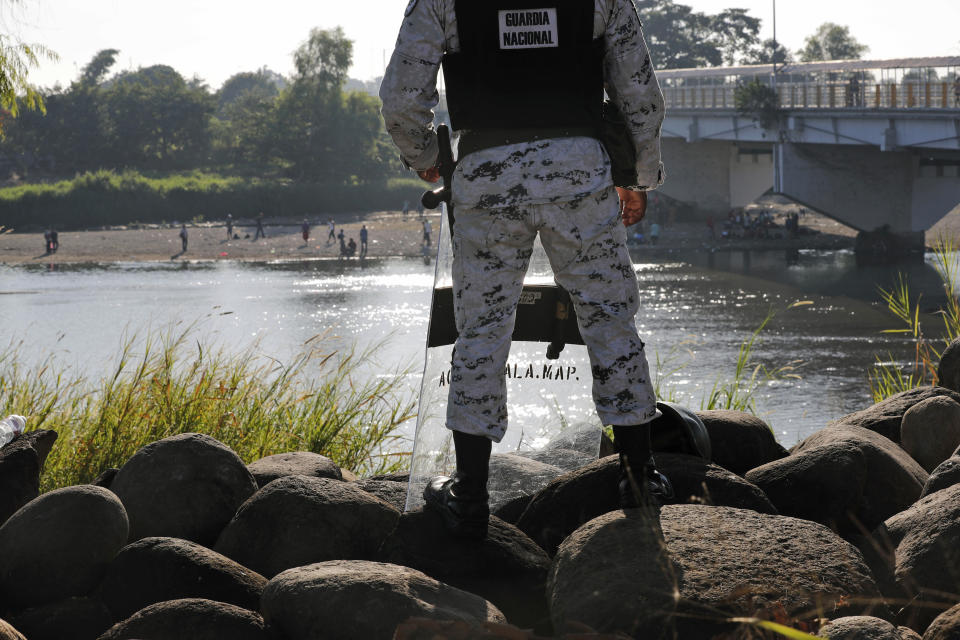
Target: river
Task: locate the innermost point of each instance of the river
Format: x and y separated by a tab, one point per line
698	307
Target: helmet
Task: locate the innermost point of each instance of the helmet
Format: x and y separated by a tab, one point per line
679	430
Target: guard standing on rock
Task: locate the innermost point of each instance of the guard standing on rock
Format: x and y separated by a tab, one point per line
525	90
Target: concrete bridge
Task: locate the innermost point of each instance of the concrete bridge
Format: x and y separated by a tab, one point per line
868	143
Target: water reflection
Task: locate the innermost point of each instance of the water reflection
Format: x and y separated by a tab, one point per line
696	312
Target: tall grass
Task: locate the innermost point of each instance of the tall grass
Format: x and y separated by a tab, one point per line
736	391
171	383
887	377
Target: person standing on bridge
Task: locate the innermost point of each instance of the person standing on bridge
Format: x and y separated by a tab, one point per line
525	92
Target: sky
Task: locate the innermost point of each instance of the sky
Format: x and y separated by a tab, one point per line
213	39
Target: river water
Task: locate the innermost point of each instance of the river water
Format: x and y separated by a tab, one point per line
698	307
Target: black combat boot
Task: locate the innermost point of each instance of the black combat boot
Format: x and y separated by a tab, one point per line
641	485
462	500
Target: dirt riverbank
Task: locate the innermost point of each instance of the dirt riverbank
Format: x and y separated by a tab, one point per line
390	234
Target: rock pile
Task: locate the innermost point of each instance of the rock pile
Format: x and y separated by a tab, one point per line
854	533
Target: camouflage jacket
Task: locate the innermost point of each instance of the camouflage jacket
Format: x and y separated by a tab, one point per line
524	173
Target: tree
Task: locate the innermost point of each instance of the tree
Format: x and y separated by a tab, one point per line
680	37
321	132
832	42
157	119
768	52
95	70
246	108
323	60
240	85
16	60
735	34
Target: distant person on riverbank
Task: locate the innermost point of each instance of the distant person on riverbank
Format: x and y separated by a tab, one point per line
343	245
332	236
183	238
406	208
47	241
229	227
363	241
427	230
305	230
654	233
351	248
419	208
260	233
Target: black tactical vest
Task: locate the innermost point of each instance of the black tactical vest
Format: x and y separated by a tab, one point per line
526	69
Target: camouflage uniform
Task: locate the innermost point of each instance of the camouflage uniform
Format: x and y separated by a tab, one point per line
505	195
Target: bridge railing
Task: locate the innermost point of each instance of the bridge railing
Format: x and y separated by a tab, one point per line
915	83
825	95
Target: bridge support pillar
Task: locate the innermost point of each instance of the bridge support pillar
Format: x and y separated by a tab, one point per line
715	175
883	194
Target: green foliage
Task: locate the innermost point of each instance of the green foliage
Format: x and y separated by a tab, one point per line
162	386
681	37
887	377
306	127
757	101
16	60
832	42
323	60
109	198
738	393
768	52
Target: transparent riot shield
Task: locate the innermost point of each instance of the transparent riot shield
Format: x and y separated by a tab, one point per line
553	425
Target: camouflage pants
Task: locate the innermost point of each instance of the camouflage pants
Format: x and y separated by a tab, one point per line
586	245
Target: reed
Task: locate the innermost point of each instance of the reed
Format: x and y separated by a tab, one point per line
890	376
172	383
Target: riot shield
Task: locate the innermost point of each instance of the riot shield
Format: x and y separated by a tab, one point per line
553	425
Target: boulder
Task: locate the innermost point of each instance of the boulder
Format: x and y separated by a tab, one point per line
579	496
740	440
566	459
393	493
105	477
8	632
948	371
513	476
59	545
737	562
945	475
507	568
885	416
396	476
20	464
864	628
613	574
74	618
293	463
925	540
824	484
946	626
930	430
203	619
886	482
511	510
154	570
320	601
185	486
298	520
